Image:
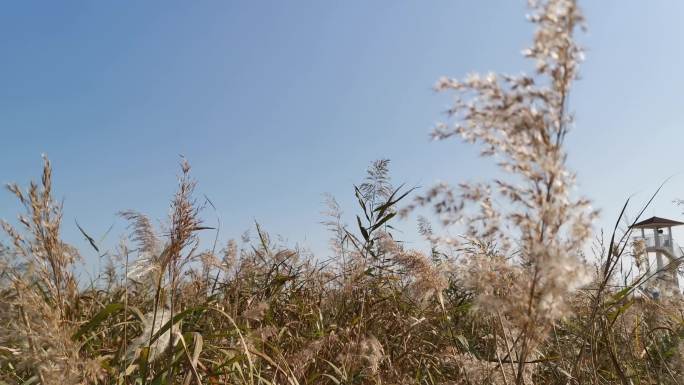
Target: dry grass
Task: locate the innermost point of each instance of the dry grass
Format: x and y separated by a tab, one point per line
512	301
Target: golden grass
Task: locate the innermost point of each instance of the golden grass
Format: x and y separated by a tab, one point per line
511	301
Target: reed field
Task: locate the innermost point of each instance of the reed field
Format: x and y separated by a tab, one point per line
524	289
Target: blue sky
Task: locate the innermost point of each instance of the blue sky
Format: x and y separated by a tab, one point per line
275	103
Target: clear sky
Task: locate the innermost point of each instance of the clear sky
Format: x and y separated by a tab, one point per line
276	102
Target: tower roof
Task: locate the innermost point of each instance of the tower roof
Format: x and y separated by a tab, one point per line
656	223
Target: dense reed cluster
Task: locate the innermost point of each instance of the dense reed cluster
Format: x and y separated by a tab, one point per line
513	299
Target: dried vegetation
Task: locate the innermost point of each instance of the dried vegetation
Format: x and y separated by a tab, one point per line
512	300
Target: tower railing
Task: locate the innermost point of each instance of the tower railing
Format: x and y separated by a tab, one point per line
663	241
